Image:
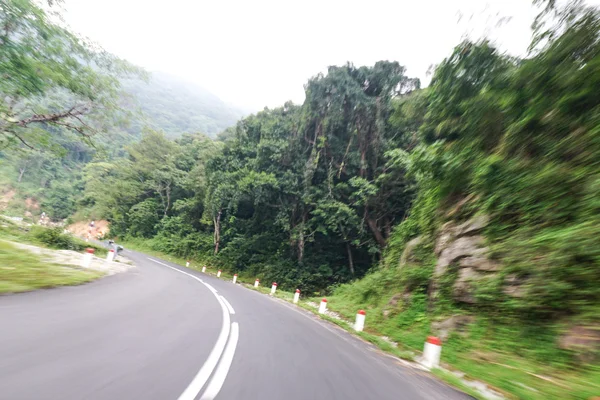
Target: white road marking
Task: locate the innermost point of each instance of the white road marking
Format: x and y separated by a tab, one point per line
231	310
202	376
216	383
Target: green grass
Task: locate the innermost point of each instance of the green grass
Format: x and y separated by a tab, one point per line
22	271
518	359
457	383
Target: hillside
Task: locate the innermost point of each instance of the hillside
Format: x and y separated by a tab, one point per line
175	106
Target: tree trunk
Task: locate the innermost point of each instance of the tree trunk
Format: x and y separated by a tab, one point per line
21	172
301	239
350	261
168	194
387	227
217	234
378	236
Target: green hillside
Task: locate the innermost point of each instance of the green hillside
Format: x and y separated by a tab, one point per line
174	106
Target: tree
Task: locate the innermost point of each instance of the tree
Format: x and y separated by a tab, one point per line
51	78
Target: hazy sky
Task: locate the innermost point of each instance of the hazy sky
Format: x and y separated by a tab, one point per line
256	53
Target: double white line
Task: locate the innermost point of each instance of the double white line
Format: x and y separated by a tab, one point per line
224	350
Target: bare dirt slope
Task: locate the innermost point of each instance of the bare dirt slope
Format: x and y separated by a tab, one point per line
83	229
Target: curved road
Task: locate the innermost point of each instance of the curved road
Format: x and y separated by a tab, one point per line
161	331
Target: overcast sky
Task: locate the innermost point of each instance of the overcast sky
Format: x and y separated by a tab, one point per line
256	53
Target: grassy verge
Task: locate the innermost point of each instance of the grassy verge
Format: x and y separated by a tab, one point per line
517	359
21	271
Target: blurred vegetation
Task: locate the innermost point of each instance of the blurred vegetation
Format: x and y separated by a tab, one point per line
325	196
53	238
22	271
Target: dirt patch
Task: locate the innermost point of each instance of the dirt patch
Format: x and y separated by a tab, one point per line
83	229
32	204
6	198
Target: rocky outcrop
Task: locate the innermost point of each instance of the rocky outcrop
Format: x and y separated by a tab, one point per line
409	250
456	323
392	305
583	340
463	245
513	286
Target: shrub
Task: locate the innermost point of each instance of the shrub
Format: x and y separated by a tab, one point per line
54	237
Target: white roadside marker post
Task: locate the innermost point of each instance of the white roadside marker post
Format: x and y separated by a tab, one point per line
204	269
359	324
110	256
296	296
273	287
187	263
87	258
323	306
234	278
218	273
432	352
256	282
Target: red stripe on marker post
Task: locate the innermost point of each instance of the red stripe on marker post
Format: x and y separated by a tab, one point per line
434	340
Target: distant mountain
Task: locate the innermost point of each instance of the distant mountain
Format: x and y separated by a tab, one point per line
176	107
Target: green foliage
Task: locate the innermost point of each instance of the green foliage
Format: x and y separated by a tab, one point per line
521	140
143	217
59	200
54	237
53	80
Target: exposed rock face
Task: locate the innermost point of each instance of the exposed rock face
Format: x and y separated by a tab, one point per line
463	286
464	246
392	305
456	323
459	248
513	286
584	340
408	250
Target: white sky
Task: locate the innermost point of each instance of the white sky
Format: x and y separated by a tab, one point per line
256	53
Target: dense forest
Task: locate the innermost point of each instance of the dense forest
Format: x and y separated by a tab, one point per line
478	194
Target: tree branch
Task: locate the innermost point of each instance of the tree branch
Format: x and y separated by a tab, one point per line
54	118
22	140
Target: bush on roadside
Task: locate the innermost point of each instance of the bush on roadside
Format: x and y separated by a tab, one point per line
54	237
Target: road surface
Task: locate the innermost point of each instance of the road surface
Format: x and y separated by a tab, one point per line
161	331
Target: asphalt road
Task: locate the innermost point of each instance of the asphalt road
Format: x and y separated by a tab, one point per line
161	331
